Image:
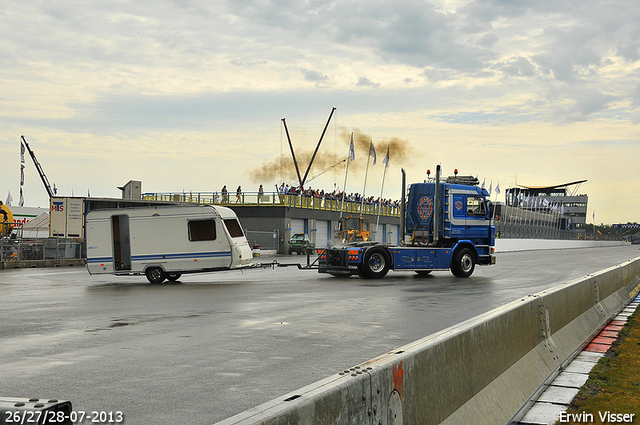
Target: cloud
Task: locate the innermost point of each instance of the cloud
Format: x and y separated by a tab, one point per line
582	105
365	82
629	51
314	76
517	67
137	72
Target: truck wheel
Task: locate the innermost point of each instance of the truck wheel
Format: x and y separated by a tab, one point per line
155	275
173	276
376	263
463	263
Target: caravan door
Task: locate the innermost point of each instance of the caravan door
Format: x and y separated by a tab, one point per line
121	242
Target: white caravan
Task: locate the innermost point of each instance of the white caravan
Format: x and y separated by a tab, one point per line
165	241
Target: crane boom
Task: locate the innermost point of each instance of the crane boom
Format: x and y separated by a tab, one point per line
45	181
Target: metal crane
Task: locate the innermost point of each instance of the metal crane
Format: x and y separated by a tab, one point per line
45	181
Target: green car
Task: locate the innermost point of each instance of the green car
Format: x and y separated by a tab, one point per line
300	243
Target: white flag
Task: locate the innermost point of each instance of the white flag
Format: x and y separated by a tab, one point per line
9	199
372	152
22	152
385	161
498	189
352	151
483	180
21	199
21	175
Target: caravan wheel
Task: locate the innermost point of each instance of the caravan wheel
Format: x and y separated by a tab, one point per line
155	275
173	276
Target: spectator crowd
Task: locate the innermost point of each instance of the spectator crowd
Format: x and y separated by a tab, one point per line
336	194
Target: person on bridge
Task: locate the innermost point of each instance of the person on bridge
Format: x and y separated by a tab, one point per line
225	197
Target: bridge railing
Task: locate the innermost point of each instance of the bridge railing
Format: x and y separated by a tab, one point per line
271	199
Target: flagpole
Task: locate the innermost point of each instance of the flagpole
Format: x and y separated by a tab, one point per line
384	173
344	187
365	180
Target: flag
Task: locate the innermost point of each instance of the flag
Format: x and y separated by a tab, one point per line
55	189
483	180
352	151
385	161
21	175
372	152
22	152
9	199
498	189
21	199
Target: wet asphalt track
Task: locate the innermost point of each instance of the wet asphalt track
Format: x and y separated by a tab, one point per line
213	345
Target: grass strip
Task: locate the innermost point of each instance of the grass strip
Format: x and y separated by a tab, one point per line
612	393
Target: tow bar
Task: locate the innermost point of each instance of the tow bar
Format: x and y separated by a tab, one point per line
309	266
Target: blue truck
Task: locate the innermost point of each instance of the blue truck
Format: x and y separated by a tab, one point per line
446	226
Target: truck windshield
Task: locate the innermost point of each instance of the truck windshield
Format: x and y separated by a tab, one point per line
233	226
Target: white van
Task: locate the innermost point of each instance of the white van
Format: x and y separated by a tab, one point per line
164	242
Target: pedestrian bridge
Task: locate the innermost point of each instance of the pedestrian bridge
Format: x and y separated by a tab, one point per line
274	199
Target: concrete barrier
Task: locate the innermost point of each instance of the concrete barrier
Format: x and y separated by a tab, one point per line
510	245
482	371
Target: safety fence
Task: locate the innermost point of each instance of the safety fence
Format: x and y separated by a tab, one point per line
483	371
520	223
274	199
15	251
263	240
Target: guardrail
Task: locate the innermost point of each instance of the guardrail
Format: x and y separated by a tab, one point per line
481	371
273	199
43	252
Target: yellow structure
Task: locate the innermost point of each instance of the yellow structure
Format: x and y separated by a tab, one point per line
6	220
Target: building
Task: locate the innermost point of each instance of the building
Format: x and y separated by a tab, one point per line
560	199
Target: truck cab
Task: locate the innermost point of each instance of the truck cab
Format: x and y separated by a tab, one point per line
447	226
463	214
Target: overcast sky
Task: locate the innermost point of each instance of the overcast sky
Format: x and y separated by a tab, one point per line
188	95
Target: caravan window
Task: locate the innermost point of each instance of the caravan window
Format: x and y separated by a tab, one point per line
202	230
234	228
